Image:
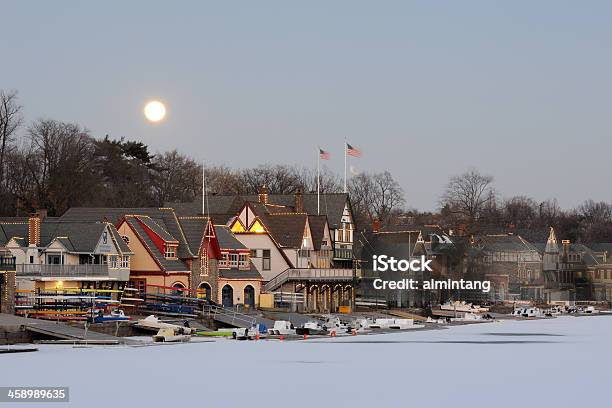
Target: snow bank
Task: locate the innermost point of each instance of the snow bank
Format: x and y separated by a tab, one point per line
559	362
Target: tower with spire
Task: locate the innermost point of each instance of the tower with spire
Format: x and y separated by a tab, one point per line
550	260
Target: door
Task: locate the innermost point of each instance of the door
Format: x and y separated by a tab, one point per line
227	296
249	297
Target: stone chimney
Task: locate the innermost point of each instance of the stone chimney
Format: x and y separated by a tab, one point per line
34	229
299	201
376	226
263	194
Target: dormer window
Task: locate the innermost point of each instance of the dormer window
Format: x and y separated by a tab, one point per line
233	260
170	251
243	261
224	261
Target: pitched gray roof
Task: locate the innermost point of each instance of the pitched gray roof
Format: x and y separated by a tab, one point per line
226	239
163	217
169	265
235	273
331	204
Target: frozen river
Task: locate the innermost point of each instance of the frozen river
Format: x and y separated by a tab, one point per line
563	362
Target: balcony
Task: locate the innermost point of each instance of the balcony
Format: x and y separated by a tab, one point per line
71	272
343	253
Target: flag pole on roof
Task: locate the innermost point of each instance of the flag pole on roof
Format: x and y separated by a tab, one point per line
325	156
349	151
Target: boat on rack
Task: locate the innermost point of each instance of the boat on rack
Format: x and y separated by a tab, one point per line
115	315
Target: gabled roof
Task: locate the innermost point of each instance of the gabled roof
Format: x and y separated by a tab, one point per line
317	229
13	229
331	204
76	236
168	265
506	242
165	218
226	239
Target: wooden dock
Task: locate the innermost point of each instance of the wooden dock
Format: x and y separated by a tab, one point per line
55	330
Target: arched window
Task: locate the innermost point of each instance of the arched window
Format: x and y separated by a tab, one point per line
178	285
204	291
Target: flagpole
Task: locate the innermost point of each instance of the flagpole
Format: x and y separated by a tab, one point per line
203	192
345	165
318	180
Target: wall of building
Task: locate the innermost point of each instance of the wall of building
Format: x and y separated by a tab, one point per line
262	241
238	286
7	292
142	259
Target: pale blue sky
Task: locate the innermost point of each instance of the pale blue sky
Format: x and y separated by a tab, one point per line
518	89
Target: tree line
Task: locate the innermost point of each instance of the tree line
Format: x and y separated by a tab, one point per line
57	165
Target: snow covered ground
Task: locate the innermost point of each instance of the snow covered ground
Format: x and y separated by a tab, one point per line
563	362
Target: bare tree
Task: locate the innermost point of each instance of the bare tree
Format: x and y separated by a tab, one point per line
177	177
10	120
375	197
520	211
468	195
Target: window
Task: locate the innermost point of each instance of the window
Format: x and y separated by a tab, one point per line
233	260
170	251
31	259
243	261
253	253
224	261
266	260
125	239
54	259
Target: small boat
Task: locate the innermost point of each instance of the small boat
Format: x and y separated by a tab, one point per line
334	326
115	315
532	312
310	328
171	334
243	333
463	307
282	328
404	324
382	323
151	322
467	317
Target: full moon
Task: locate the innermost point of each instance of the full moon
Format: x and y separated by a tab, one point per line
155	111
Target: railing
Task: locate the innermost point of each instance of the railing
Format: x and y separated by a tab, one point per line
7	263
343	253
288	297
229	316
62	271
319	275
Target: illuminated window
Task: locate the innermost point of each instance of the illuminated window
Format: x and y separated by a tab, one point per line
237	227
257	227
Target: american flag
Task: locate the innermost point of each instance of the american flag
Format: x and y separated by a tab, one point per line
351	151
323	155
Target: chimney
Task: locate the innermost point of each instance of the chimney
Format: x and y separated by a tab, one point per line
263	194
34	229
299	202
566	244
376	226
